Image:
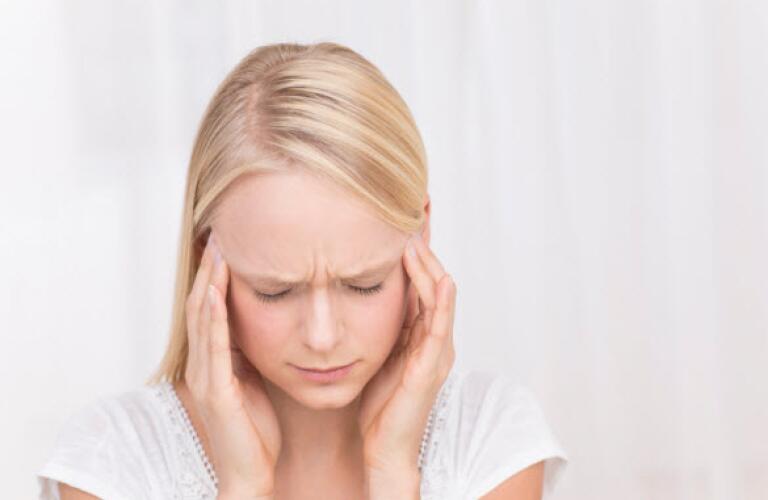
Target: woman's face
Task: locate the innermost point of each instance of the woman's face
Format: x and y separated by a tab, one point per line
335	271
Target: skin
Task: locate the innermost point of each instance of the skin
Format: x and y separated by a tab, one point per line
316	233
344	437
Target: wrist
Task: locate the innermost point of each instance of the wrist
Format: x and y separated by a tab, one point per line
402	484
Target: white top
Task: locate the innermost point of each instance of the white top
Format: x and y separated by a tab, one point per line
484	427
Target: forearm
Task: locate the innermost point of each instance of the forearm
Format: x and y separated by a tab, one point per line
385	485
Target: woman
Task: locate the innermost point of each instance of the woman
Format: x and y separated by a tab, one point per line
311	352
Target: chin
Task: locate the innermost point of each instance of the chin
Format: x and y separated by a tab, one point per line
328	402
325	396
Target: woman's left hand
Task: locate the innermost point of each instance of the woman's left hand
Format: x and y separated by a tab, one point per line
396	402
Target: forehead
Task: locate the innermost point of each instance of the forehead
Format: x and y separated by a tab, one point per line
290	221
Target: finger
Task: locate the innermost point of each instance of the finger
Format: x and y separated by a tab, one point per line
219	268
411	304
203	337
195	301
424	286
406	338
426	319
452	317
409	318
418	332
431	263
448	353
197	294
220	360
431	349
421	278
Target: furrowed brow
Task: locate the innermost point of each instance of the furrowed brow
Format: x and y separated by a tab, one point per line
376	271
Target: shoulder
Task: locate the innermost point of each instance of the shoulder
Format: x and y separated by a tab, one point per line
492	428
103	447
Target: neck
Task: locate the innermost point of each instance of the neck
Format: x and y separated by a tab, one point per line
313	438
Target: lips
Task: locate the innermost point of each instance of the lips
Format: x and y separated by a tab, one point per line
323	370
325	375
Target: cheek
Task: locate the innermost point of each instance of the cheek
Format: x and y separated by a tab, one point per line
377	320
259	330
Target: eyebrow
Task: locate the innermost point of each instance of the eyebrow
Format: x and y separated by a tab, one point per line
377	270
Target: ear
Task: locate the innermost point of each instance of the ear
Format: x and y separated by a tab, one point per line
425	229
198	246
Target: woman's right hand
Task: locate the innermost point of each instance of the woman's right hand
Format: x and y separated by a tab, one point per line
240	421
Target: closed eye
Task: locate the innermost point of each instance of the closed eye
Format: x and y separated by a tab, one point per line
264	297
277	296
367	291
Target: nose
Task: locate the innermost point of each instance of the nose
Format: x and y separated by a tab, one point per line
323	330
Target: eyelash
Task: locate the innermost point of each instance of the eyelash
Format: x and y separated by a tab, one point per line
273	298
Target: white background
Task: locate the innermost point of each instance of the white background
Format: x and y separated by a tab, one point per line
599	171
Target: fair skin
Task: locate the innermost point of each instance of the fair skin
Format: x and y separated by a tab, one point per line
353	438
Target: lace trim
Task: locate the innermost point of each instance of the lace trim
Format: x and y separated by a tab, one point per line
198	478
434	474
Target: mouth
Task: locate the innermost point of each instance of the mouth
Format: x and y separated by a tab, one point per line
325	374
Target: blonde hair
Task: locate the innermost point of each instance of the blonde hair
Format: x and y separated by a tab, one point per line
321	108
